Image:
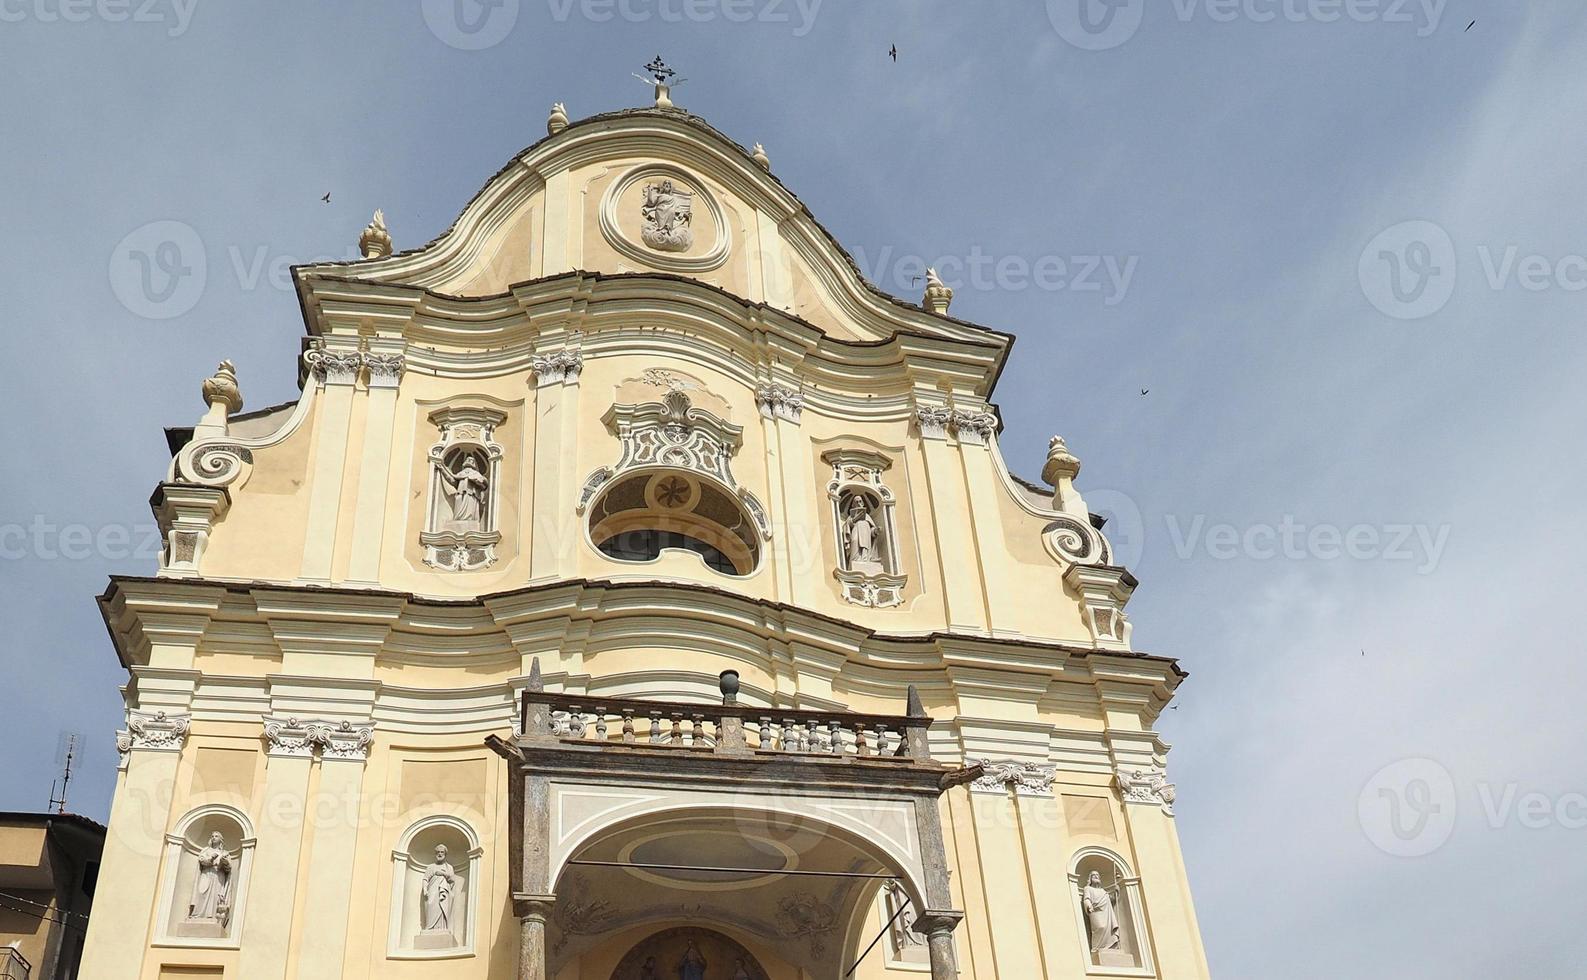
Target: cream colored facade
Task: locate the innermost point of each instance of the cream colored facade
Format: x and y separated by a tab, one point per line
640	339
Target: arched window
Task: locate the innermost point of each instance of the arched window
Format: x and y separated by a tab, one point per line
1109	912
646	512
208	858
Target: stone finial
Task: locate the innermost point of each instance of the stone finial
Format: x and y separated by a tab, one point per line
536	683
222	390
1061	469
375	242
728	682
1061	463
759	154
914	707
938	295
558	120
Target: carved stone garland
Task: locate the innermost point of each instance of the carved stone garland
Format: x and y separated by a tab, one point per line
465	480
863	510
673	433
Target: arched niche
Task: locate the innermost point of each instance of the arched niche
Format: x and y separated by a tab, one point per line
865	528
647	511
1110	914
434	890
208	858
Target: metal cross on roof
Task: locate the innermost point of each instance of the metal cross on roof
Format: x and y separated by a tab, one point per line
659	71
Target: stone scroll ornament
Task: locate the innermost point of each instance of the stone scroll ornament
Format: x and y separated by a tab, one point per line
465	478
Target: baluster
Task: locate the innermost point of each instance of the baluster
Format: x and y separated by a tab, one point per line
860	746
790	736
836	729
600	723
579	727
655	727
881	739
765	732
677	729
628	725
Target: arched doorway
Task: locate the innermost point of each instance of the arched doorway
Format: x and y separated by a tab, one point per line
689	952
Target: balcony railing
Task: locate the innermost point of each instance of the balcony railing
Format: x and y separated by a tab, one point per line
12	965
729	728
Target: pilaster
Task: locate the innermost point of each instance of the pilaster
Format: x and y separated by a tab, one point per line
386	363
335	365
963	595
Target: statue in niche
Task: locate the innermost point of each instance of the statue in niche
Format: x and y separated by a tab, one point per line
741	972
650	971
667	212
465	492
1102	920
212	887
439	888
692	966
860	536
901	911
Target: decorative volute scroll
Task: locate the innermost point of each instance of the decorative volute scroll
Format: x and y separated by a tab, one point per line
465	481
866	527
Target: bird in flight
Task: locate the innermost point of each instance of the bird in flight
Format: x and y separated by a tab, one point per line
894	53
1470	26
1145	392
327	198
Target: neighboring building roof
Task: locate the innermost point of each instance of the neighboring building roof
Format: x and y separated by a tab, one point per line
75	819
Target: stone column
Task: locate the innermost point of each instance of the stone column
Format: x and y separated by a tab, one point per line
937	927
533	911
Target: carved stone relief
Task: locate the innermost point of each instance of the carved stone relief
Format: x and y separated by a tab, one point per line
1027	778
666	211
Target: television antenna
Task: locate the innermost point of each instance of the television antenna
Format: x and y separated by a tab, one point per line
58	803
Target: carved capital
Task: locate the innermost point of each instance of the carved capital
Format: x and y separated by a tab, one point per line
1027	778
154	730
558	368
777	401
973	427
288	738
385	370
342	740
1146	787
933	421
333	366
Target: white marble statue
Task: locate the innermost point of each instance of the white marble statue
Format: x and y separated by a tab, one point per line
212	887
1102	920
860	535
465	491
439	890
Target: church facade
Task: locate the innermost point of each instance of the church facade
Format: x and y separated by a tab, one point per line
633	592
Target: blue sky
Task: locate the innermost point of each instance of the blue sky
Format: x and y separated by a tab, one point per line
1346	251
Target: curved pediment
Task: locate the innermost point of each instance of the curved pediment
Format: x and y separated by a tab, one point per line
653	191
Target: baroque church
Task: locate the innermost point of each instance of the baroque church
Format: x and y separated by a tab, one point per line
633	592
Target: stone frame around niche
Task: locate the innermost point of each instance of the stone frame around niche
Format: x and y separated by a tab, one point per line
1131	912
399	944
174	881
859	472
612	225
464	430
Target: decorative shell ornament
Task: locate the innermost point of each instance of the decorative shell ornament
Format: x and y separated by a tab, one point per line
223	388
375	242
558	120
761	158
938	295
